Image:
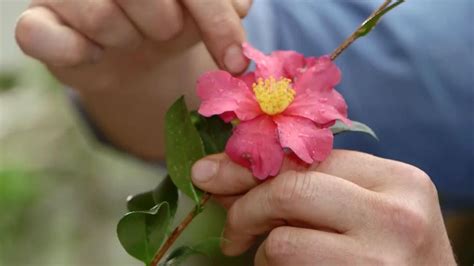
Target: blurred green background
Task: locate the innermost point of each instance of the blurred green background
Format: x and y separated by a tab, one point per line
61	193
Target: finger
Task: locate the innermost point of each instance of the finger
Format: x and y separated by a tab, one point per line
217	174
368	171
363	169
41	34
242	7
300	246
101	21
227	201
221	31
313	199
160	20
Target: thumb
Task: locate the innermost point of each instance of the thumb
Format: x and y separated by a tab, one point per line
219	175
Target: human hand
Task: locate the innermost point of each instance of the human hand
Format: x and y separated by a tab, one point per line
129	60
104	43
353	208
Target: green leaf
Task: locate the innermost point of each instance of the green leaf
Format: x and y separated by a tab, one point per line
8	80
214	132
166	191
140	202
179	255
141	233
183	148
340	127
368	25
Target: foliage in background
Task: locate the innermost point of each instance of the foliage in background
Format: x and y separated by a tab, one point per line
189	137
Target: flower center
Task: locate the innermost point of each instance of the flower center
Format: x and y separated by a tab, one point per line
272	95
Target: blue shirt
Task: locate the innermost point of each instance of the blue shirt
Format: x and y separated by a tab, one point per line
411	79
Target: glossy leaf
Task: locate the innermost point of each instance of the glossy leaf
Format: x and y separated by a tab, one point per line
368	25
140	202
141	233
183	148
340	127
181	254
214	132
166	191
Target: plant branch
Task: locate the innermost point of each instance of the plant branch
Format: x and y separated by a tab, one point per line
362	30
357	33
179	229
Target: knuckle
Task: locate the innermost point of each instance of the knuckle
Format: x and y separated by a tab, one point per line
220	25
170	31
423	182
418	180
233	215
407	222
242	7
291	187
373	258
74	55
279	244
99	17
171	24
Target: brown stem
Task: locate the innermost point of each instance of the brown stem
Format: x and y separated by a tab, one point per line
355	35
188	219
178	230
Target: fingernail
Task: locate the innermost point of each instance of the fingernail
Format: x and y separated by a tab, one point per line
234	59
204	170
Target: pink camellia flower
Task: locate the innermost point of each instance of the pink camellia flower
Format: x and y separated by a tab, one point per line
286	105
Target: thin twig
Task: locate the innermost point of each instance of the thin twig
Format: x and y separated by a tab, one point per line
178	230
355	35
189	218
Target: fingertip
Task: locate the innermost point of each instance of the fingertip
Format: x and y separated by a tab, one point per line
203	171
234	59
218	174
40	34
222	32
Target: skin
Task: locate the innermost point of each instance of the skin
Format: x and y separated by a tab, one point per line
129	60
353	208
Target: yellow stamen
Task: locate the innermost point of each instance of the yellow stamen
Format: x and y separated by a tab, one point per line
273	96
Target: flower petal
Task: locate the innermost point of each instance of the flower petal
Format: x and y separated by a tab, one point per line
220	93
292	61
321	73
321	107
316	98
266	66
254	144
304	138
228	116
248	78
